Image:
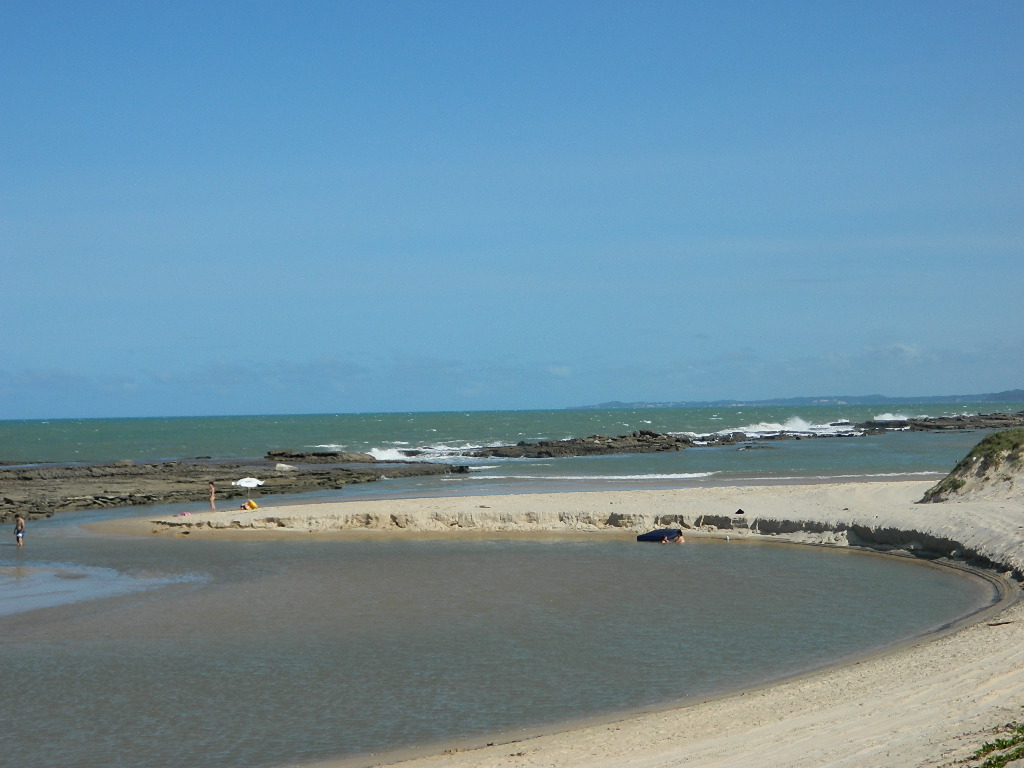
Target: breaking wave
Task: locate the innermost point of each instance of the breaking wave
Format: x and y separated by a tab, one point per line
792	426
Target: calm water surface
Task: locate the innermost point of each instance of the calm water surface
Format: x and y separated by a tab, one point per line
274	653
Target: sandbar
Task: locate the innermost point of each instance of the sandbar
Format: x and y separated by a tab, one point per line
929	703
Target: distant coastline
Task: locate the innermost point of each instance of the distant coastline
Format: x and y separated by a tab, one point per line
1009	396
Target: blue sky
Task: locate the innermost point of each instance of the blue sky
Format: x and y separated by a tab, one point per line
304	207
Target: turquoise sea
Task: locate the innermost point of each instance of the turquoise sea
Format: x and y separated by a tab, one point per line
142	653
446	436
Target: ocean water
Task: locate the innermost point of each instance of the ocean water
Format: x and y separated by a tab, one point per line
446	437
440	435
145	653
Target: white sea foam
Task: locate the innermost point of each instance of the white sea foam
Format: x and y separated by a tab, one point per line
451	449
434	453
388	454
792	426
341	447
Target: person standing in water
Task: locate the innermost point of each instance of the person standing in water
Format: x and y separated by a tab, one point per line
213	497
19	530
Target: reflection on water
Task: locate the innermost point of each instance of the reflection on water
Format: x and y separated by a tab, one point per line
273	653
27	588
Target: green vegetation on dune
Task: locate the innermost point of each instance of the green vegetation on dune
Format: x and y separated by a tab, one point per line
1001	452
1009	441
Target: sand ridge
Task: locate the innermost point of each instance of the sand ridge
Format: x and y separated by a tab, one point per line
879	515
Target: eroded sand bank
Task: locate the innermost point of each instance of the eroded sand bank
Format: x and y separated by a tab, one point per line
924	705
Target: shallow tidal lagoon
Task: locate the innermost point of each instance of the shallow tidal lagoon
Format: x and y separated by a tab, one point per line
267	653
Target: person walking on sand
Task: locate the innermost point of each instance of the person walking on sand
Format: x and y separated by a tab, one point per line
213	497
19	530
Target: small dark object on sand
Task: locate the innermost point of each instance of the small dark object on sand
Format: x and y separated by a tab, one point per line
662	535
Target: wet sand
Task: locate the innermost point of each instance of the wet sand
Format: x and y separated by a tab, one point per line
926	704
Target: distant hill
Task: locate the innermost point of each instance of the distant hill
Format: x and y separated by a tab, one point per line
1009	396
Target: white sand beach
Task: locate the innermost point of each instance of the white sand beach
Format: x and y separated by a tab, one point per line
927	704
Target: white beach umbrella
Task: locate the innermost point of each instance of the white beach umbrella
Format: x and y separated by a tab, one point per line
247	482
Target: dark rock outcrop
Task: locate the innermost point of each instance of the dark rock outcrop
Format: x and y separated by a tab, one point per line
945	423
641	441
42	490
320	457
647	441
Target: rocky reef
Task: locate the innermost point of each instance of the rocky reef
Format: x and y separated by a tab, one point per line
320	457
946	423
42	490
641	441
648	441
